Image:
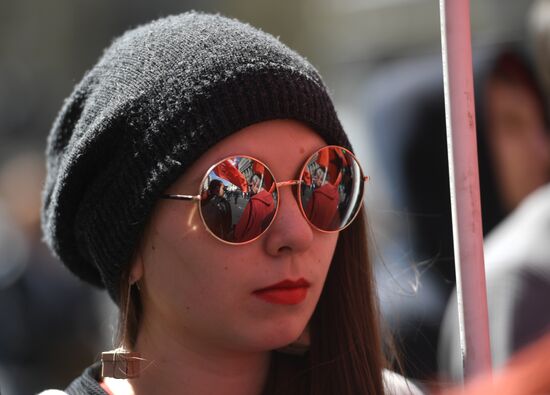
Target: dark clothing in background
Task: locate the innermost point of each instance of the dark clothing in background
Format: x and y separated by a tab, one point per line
50	327
49	321
87	383
216	212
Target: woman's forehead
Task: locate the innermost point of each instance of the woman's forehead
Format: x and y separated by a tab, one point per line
272	142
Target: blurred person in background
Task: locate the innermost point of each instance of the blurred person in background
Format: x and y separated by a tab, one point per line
216	206
49	325
517	251
517	261
410	125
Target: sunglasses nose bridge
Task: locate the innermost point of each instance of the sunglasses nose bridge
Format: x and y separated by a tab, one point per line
297	183
288	183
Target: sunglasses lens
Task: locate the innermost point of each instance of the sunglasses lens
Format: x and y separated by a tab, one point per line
332	188
238	199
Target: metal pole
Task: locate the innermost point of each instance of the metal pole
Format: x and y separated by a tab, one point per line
464	186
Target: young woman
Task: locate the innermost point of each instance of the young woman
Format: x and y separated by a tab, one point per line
259	298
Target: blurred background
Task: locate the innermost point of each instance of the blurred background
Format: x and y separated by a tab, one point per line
381	61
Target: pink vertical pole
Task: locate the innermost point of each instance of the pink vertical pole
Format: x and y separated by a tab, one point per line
464	185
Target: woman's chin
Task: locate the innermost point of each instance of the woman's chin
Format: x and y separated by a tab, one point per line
280	338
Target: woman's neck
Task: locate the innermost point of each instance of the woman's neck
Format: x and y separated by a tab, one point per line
172	367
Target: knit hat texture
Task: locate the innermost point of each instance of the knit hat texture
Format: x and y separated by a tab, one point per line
160	96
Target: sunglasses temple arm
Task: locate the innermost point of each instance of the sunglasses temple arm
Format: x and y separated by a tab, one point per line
183	197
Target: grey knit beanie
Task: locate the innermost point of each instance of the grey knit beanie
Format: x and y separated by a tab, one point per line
159	97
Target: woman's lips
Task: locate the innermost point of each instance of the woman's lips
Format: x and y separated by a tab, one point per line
287	292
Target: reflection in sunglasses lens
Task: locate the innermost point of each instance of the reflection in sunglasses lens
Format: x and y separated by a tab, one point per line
239	194
238	199
331	189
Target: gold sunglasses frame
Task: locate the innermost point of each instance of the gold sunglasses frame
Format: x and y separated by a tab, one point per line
197	198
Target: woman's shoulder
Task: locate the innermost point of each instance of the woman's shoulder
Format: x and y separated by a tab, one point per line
395	384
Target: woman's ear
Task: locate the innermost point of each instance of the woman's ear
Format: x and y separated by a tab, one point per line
136	271
137	266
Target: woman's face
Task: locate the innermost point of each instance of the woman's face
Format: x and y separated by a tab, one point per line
255	184
202	292
519	145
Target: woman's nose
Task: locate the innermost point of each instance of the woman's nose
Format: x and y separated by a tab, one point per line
290	232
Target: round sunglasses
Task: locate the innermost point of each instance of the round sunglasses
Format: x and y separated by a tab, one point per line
239	196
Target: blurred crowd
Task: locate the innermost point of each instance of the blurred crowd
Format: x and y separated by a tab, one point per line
513	140
52	326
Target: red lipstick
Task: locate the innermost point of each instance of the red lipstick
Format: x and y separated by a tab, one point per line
287	292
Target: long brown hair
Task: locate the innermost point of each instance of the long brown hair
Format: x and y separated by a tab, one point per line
345	355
